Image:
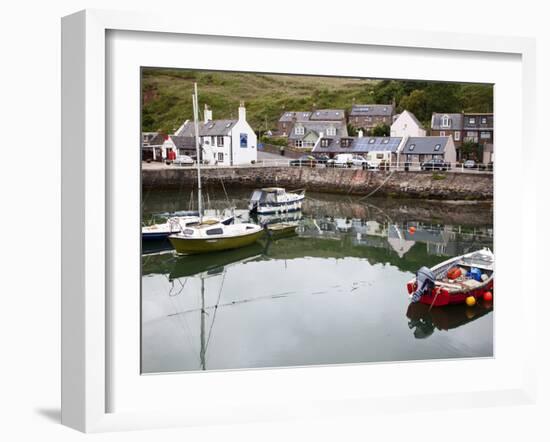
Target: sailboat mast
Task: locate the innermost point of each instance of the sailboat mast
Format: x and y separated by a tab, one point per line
197	146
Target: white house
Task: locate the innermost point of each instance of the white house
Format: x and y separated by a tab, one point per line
407	125
224	142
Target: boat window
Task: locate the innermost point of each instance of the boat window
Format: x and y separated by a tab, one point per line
188	232
217	231
256	195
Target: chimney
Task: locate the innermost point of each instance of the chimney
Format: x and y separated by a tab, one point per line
207	114
242	111
360	133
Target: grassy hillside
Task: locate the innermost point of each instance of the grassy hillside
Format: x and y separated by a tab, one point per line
166	96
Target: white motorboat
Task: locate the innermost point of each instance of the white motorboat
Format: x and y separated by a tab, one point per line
275	200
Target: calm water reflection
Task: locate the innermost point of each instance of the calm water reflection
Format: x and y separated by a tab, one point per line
334	293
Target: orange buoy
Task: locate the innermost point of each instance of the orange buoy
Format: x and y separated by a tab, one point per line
487	296
412	229
470	313
470	301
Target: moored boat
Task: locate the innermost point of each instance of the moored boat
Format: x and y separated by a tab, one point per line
160	231
272	200
278	230
454	280
211	236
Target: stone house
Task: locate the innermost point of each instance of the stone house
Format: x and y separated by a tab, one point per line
223	142
303	128
444	125
372	148
478	127
151	146
407	125
420	149
368	116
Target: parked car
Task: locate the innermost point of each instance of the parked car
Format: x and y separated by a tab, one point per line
304	161
358	160
184	160
342	160
435	164
469	164
323	159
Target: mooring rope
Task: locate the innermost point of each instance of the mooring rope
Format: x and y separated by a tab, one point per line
375	190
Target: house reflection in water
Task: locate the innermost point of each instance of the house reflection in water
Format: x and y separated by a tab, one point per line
440	240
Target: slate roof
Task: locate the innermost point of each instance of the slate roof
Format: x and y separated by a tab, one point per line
327	115
290	115
183	142
425	145
318	127
359	145
360	110
155	139
317	115
455	121
210	128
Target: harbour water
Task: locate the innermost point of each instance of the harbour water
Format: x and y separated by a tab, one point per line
332	294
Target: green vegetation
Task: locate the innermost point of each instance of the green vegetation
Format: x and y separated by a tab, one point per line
438	176
166	96
380	130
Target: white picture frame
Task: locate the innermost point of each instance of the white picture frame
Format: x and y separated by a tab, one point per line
87	214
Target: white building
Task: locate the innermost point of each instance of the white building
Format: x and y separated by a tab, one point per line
224	142
407	125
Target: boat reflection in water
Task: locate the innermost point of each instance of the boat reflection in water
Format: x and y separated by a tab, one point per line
423	320
331	294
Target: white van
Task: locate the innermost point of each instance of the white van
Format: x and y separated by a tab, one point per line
346	160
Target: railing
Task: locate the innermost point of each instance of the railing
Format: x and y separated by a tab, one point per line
404	166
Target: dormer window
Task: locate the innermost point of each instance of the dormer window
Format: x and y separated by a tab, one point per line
299	130
445	121
344	142
412	146
331	131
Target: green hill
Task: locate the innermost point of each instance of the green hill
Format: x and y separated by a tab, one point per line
166	96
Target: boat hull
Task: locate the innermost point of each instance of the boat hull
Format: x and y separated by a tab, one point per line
440	297
190	246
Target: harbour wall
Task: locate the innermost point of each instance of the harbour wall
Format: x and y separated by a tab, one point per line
412	184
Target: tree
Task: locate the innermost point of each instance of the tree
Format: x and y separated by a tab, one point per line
352	131
380	130
469	149
417	103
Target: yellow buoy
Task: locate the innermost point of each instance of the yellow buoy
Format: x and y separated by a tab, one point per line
470	301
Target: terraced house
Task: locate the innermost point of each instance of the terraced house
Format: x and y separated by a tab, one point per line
368	116
304	128
475	127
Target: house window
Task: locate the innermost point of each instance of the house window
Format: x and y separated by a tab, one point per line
485	135
379	156
243	140
324	142
471	120
357	119
298	143
372	140
445	121
344	142
331	131
412	146
220	157
220	141
457	135
299	130
483	120
385	141
437	147
441	133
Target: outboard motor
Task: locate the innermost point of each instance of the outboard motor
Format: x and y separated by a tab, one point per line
425	281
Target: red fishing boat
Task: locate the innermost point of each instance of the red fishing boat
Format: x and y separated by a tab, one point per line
454	280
